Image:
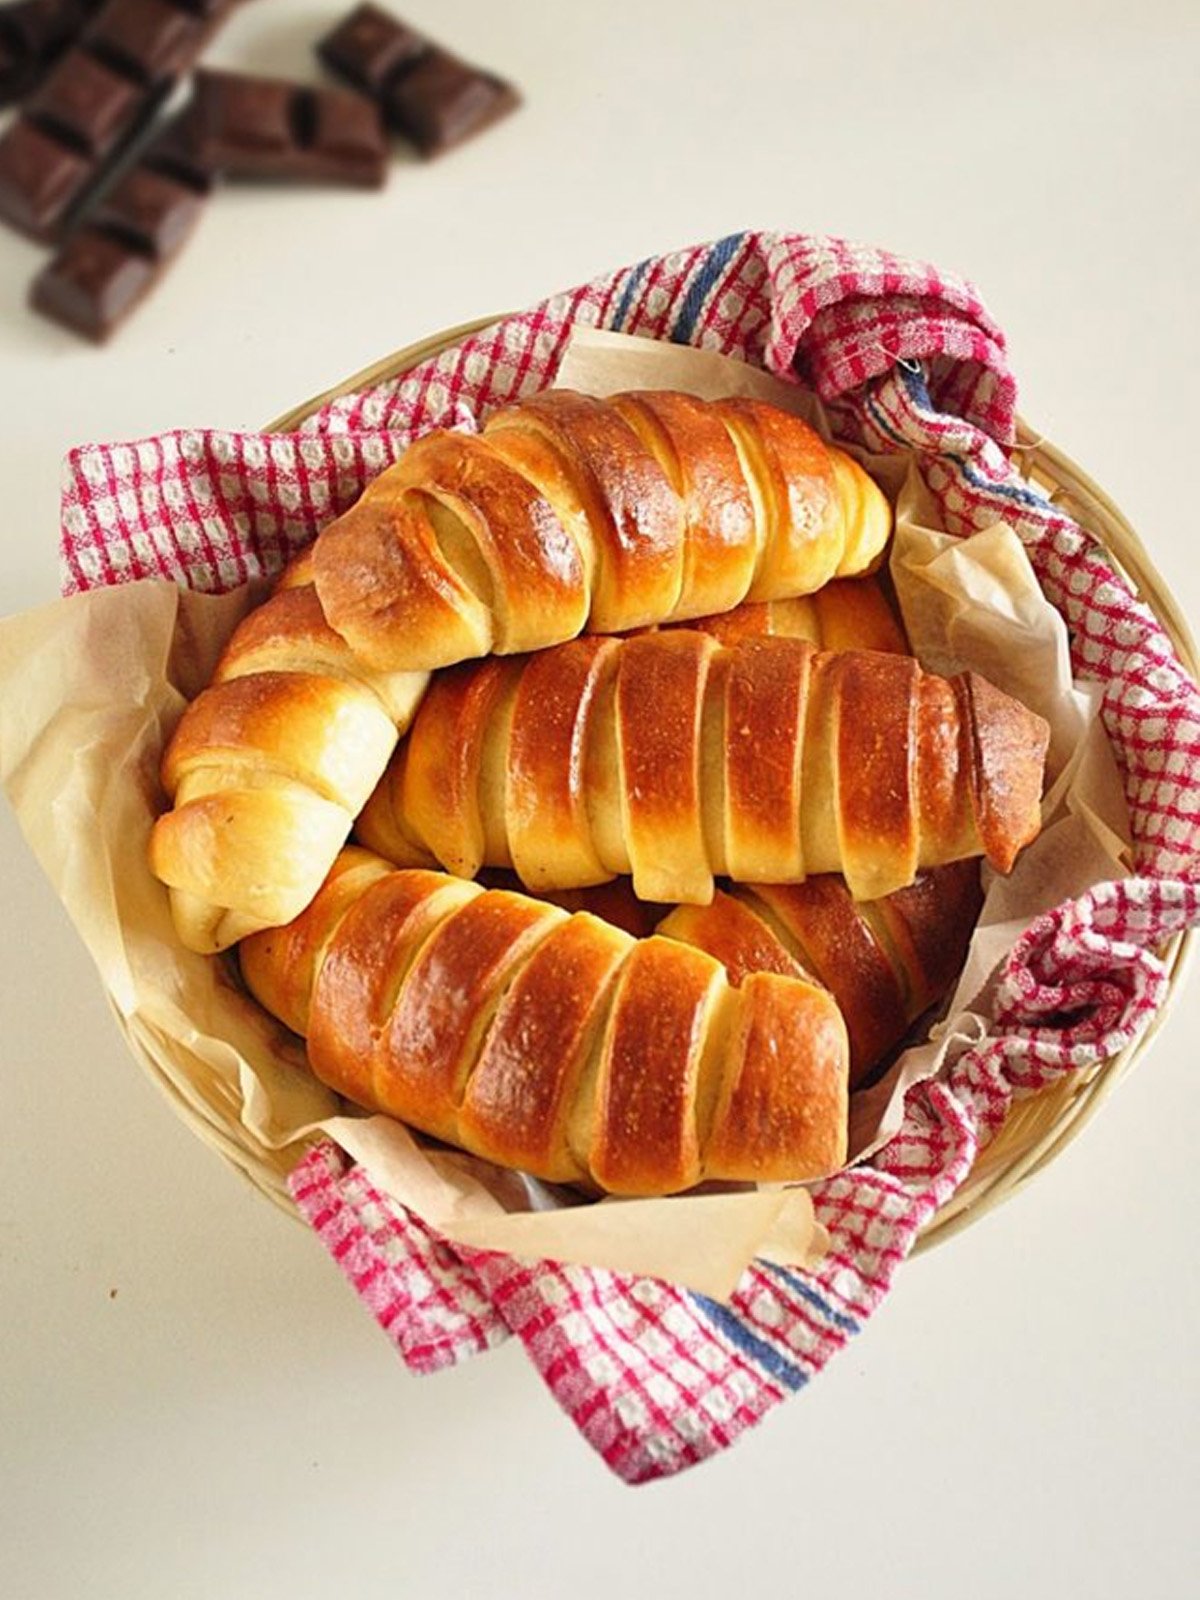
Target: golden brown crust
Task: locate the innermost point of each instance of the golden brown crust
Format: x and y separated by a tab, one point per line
634	516
536	582
266	773
878	823
550	1041
441	798
386	587
1006	782
697	453
734	934
445	1002
855	614
804	538
546	800
659	699
280	965
518	1101
677	759
834	939
358	980
928	927
765	694
382	824
784	1100
646	1134
570	513
268	767
884	961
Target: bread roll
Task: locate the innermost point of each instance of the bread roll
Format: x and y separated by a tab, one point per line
676	759
571	514
554	1043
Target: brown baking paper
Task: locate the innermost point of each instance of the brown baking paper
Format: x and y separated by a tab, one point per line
90	688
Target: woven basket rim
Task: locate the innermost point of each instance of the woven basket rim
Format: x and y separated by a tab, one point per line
1066	1108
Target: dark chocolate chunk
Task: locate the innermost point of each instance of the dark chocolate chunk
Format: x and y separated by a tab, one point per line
368	47
440	101
175	151
39	176
33	34
94	281
104	91
268	128
430	96
153	212
86	104
152	40
130	240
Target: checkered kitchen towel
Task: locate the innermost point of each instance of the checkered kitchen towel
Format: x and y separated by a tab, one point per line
906	358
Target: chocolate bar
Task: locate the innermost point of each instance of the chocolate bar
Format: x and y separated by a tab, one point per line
33	34
252	127
425	93
99	97
439	101
369	47
110	264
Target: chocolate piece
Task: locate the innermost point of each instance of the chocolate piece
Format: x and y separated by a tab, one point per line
38	177
174	151
255	127
430	96
109	265
33	34
85	104
150	210
440	101
103	92
154	41
92	283
367	48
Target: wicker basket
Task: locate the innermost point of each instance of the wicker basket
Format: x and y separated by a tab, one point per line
1039	1127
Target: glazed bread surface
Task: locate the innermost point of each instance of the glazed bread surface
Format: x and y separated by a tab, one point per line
268	768
677	759
570	514
554	1043
885	961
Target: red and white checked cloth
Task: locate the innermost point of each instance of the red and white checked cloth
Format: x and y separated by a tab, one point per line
656	1377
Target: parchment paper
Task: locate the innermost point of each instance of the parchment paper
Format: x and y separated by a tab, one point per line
90	688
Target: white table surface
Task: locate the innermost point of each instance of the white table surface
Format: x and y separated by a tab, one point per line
191	1402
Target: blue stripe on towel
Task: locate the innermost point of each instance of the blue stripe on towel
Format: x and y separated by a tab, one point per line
918	390
758	1350
714	264
636	274
797	1286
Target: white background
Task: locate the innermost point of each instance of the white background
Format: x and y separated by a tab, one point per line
191	1403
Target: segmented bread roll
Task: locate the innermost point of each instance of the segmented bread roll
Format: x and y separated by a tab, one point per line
269	767
553	1043
570	514
676	759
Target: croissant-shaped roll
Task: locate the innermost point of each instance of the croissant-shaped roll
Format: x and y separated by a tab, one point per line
571	514
269	767
553	1043
884	961
850	613
675	759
